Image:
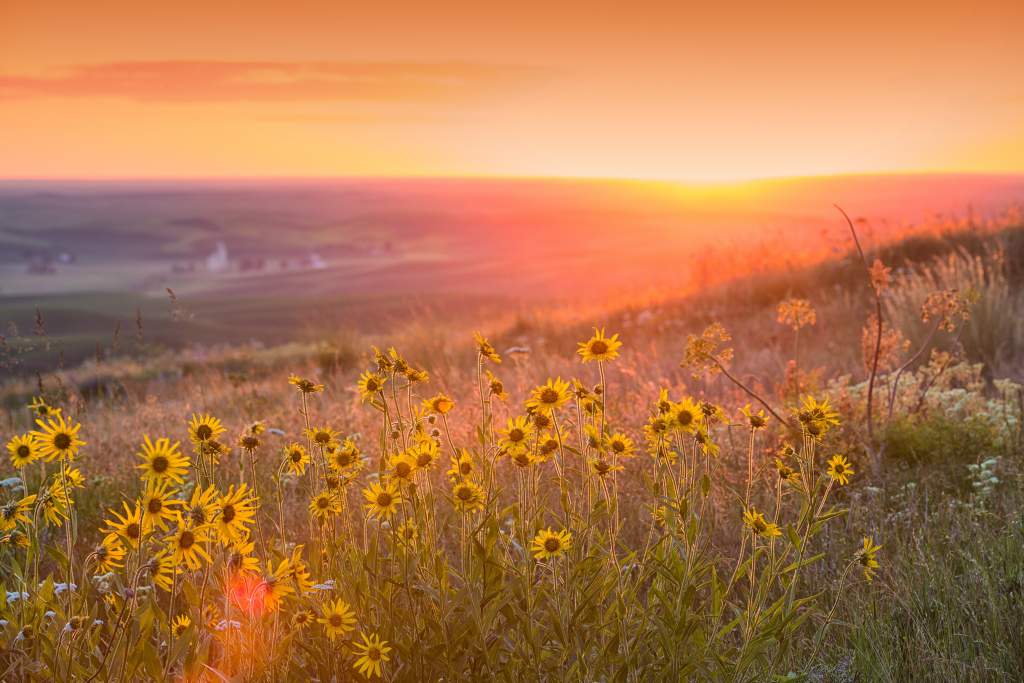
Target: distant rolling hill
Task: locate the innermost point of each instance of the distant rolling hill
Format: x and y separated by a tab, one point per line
300	254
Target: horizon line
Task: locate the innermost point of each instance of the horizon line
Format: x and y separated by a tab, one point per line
197	179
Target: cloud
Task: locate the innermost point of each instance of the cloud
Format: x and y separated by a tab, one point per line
226	81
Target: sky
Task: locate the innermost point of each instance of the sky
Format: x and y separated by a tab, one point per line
715	91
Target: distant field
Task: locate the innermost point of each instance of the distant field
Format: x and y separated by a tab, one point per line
305	256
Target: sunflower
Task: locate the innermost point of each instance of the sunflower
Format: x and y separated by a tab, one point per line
621	445
186	544
817	418
496	387
203	428
382	360
758	525
180	624
439	404
163	570
707	445
427	452
594	438
213	449
23	450
398	364
382	500
16	511
840	470
235	509
306	386
338	619
344	457
467	497
202	507
15	538
127	527
321	436
249	442
867	558
521	456
162	460
373	652
600	347
516	434
109	555
276	584
157	505
549	397
685	415
57	438
55	503
408	533
324	504
41	408
402	467
415	375
299	572
302	619
485	349
296	458
74	478
370	384
242	559
602	467
549	543
547	444
756	420
786	473
461	467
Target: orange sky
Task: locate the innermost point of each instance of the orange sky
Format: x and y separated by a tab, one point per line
709	92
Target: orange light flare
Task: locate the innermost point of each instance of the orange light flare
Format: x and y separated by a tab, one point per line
249	595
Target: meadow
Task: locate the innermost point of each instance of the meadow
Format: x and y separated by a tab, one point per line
803	473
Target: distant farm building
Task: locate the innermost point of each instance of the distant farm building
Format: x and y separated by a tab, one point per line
218	260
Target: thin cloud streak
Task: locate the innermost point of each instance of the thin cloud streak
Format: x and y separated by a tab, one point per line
268	81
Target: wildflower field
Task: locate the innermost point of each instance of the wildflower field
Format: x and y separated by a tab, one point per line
810	476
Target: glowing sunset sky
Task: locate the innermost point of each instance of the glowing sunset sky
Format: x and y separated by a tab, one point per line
715	91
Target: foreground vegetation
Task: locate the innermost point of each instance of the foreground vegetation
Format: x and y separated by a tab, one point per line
438	515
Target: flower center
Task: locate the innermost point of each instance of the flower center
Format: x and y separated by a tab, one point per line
549	396
132	530
552	545
228	513
154	506
598	347
24	451
384	499
62	441
186	540
335	620
160	464
204	432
